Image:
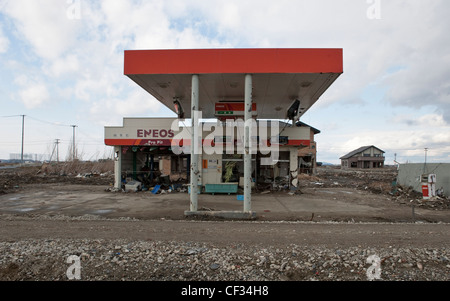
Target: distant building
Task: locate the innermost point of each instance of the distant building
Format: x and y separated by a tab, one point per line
26	157
364	157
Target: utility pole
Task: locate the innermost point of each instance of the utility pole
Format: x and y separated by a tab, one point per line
425	164
57	150
23	131
73	143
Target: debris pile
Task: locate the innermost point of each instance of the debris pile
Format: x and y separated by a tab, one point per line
380	181
137	186
374	180
273	184
78	172
406	195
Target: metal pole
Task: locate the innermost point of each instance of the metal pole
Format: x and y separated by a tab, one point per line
73	143
425	164
57	150
247	149
23	131
194	133
53	151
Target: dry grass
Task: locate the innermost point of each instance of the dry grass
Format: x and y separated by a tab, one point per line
77	167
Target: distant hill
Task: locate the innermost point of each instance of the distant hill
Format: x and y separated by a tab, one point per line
325	164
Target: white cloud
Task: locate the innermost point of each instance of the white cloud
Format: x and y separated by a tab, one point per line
34	95
4	41
89	88
64	65
45	25
33	92
138	103
430	121
404	142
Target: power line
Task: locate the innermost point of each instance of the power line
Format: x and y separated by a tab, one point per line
39	120
10	116
48	122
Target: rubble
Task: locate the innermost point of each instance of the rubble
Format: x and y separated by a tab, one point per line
133	186
381	181
407	196
84	173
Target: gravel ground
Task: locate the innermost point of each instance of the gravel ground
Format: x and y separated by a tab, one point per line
135	260
174	261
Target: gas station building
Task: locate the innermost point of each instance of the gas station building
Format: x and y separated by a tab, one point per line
232	105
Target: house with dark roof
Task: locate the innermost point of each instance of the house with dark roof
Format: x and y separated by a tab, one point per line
364	157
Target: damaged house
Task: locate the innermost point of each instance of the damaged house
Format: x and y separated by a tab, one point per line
364	157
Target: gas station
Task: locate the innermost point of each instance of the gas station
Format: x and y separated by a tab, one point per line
247	92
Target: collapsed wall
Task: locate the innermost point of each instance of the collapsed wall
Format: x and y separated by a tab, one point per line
409	175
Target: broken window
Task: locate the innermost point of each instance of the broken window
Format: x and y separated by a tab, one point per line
178	164
306	164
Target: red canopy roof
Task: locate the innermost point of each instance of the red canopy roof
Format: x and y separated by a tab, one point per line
280	76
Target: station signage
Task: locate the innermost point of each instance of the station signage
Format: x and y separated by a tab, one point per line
157	133
232	109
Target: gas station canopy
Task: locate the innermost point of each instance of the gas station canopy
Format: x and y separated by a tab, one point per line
280	76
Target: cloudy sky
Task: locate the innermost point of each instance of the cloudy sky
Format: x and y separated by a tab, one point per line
61	64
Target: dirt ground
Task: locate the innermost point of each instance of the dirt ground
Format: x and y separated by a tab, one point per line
77	189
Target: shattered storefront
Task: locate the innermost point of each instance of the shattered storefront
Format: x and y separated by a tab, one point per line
156	151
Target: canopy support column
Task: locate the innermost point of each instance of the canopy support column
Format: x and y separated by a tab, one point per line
247	145
118	167
194	143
